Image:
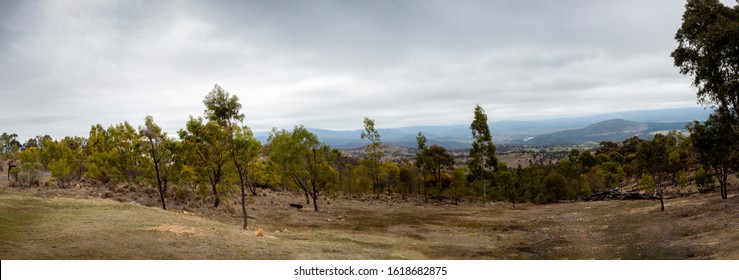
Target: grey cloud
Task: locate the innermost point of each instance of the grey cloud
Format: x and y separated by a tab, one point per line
67	65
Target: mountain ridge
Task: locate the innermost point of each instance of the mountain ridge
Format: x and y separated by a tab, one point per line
516	132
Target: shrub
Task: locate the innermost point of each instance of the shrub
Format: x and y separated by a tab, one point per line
26	175
182	194
646	183
704	180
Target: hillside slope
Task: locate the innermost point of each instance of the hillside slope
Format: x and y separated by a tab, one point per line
699	227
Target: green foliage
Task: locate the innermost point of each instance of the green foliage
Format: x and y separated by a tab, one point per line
245	152
27	173
681	179
717	147
204	146
555	185
160	151
653	157
374	153
114	154
647	183
407	180
596	179
459	186
708	51
482	155
64	162
263	174
585	189
9	143
438	162
704	180
303	160
181	194
222	107
389	176
360	180
509	186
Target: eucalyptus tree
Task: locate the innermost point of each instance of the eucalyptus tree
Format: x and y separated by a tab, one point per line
653	159
439	162
304	160
708	50
717	148
244	151
482	161
224	109
374	153
421	164
205	145
161	154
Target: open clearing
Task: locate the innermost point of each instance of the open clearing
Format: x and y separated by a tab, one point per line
34	225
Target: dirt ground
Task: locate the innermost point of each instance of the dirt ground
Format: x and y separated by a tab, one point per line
700	226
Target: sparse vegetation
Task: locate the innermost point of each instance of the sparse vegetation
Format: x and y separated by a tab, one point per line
34	227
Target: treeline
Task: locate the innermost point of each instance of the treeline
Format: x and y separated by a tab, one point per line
216	155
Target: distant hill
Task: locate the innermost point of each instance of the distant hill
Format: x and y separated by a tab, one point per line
602	127
615	130
610	130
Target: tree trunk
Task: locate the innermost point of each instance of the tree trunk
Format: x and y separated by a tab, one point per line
164	191
214	183
484	190
243	205
307	198
425	194
242	182
161	193
661	199
215	193
724	186
315	198
156	170
161	196
722	175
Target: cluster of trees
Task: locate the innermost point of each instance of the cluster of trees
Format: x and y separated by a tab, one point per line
217	155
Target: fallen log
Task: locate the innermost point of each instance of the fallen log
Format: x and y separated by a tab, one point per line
615	195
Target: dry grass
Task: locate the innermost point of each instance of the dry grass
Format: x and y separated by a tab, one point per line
697	227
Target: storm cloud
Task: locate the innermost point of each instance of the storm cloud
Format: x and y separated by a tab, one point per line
66	65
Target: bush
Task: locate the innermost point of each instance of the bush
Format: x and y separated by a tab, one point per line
181	194
704	180
646	183
27	175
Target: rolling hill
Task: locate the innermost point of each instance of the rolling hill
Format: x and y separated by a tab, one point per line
610	130
596	128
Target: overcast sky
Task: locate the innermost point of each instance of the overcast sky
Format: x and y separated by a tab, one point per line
66	65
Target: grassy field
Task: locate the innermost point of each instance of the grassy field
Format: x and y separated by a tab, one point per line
697	227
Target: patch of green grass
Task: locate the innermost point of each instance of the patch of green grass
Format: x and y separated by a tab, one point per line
17	216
